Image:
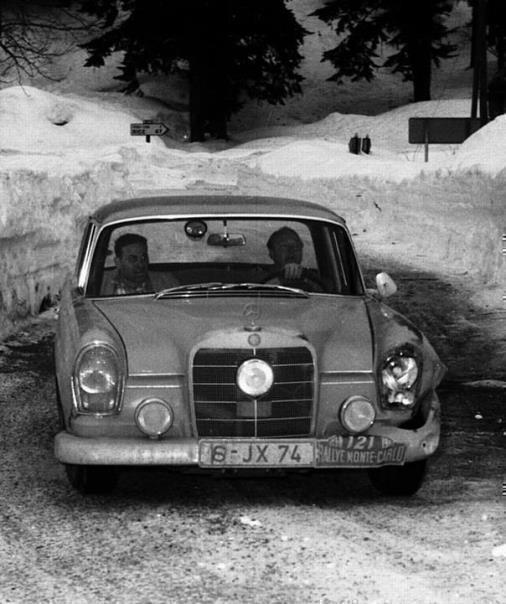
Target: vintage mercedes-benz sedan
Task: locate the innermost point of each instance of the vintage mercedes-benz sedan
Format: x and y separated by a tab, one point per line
236	333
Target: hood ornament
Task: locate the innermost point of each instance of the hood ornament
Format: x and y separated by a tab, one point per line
251	312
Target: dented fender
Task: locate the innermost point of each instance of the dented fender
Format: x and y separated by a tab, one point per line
390	331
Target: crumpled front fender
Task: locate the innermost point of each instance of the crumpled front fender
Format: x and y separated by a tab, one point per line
392	330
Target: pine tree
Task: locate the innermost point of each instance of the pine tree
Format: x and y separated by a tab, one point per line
414	28
496	18
228	49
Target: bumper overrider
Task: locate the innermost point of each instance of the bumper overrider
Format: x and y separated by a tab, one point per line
381	445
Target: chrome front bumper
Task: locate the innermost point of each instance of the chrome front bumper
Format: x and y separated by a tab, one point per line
71	449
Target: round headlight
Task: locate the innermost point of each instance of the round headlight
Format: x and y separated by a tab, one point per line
357	414
255	377
154	417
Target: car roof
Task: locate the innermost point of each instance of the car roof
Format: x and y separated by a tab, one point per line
190	204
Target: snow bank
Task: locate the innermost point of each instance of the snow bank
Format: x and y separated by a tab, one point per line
36	121
40	228
447	223
315	158
450	223
63	156
485	150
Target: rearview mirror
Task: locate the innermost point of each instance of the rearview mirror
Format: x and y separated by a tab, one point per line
385	285
226	239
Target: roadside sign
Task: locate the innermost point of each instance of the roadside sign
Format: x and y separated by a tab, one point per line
441	130
148	128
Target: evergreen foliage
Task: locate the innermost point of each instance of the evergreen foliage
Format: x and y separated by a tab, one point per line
228	48
415	29
496	20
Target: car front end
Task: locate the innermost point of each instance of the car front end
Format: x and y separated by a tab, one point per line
229	375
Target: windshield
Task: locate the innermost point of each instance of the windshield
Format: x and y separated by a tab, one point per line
162	256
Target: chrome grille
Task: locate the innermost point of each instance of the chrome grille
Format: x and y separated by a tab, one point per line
222	410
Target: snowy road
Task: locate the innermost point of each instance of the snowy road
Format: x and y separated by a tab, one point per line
164	537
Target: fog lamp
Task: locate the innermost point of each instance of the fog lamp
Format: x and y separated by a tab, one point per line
255	377
154	417
357	414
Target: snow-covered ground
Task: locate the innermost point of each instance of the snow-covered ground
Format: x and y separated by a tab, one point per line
43	131
66	149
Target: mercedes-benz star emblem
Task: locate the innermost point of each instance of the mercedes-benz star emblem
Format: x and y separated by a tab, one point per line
251	312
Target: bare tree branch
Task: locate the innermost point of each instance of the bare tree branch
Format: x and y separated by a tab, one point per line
33	34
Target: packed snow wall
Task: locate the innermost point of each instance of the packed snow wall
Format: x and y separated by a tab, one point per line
41	219
449	223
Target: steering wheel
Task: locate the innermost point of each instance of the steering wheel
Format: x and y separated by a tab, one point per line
307	281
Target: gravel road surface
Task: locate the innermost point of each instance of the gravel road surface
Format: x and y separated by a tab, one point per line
323	538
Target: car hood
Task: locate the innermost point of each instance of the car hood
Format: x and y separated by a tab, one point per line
159	335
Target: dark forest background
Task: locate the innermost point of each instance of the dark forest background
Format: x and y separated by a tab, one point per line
233	50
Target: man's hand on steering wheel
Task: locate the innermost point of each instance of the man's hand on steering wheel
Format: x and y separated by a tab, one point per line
295	275
292	271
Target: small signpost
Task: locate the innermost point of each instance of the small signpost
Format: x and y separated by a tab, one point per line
148	128
441	130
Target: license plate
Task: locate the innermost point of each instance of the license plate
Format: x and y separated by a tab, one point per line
334	452
256	454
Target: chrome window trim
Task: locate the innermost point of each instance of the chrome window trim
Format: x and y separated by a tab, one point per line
83	270
217	216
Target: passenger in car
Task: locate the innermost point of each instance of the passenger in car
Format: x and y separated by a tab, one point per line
132	275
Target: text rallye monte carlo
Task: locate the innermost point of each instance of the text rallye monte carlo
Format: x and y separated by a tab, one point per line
235	332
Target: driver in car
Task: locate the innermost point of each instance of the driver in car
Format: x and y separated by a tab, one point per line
285	249
132	275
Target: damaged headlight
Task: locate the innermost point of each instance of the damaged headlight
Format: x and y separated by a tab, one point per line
399	377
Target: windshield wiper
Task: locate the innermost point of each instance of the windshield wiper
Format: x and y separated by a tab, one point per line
270	286
218	286
187	288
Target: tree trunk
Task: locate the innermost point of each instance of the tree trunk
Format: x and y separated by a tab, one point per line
496	22
208	72
501	53
198	70
218	73
420	57
419	49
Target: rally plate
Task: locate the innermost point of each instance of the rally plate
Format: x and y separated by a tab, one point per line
359	452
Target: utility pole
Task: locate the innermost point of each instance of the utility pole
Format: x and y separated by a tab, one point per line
479	54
